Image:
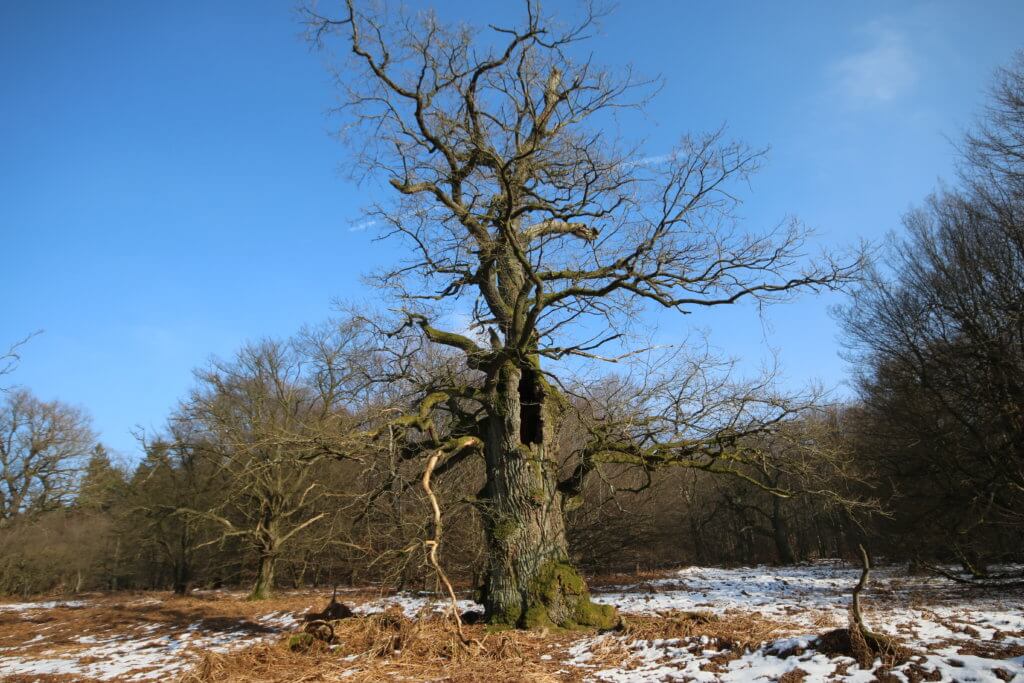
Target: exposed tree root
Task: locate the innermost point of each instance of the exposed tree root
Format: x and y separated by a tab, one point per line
858	640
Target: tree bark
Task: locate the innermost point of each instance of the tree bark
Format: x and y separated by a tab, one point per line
183	567
182	578
531	582
780	533
264	585
697	536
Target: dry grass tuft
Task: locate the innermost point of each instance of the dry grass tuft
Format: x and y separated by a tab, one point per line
734	631
793	676
730	635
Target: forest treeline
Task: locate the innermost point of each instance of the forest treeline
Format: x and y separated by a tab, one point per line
285	465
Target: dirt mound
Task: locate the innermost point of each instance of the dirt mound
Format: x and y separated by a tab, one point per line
333	612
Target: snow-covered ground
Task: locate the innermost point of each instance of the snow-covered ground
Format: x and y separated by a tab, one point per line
956	633
411	604
23	606
137	651
942	621
157	650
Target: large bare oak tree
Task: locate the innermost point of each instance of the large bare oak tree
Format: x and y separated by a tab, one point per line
521	211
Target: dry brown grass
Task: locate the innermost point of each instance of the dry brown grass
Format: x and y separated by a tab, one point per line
733	630
137	617
104	616
389	645
729	635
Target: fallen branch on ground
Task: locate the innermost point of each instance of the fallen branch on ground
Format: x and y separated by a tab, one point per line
993	581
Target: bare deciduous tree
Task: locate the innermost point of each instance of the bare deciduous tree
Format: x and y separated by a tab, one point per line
268	419
10	358
523	213
43	445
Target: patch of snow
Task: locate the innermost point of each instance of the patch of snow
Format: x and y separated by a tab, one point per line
283	621
149	655
687	659
808	596
411	605
26	606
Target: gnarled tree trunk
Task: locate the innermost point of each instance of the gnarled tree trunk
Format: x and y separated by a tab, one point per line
531	581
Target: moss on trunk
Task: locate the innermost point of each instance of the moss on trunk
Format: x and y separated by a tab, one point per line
530	581
559	598
264	586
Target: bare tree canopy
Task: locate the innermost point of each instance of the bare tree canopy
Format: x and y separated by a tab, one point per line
264	421
42	447
515	203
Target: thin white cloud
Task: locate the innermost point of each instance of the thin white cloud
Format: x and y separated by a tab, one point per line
360	226
656	160
881	72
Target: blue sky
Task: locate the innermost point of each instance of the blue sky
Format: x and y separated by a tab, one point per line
169	187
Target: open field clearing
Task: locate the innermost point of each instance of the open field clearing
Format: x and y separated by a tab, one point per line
577	340
696	624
